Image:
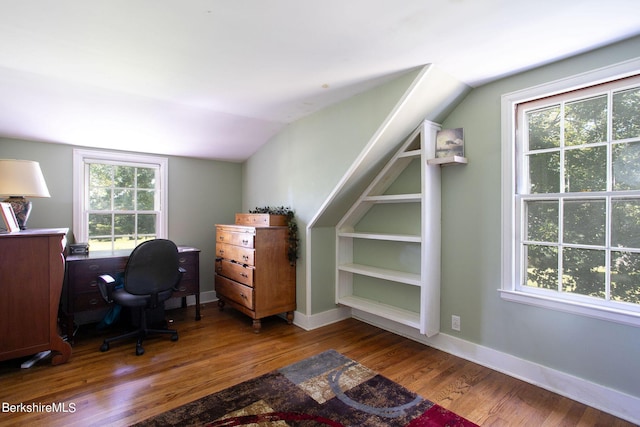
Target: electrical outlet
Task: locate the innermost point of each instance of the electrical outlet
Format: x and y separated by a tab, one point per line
455	323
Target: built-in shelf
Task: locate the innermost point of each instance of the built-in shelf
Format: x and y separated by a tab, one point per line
382	273
447	161
387	311
362	287
392	237
394	198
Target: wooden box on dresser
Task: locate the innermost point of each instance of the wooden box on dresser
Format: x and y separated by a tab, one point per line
253	272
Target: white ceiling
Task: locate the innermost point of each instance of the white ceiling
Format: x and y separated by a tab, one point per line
216	79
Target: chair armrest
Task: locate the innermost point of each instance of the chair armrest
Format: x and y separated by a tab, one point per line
106	284
181	271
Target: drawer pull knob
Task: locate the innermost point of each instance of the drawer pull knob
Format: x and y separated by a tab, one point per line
182	288
94	267
93	283
221	238
245	257
182	260
221	251
93	301
245	242
244	275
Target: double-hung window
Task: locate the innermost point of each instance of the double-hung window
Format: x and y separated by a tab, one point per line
571	196
119	200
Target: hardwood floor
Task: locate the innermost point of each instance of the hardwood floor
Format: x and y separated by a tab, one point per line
119	388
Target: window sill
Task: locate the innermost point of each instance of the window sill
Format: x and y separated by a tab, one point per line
603	313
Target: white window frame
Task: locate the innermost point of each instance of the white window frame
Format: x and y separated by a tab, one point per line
80	183
510	214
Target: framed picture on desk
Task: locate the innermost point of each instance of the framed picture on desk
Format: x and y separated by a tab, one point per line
9	217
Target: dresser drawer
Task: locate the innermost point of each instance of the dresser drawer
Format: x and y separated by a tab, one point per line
234	291
246	240
235	253
238	272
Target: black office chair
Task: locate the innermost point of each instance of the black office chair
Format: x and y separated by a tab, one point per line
151	275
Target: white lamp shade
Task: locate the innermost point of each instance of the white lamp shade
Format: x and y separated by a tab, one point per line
22	178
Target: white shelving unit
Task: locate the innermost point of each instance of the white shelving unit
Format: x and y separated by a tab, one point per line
411	264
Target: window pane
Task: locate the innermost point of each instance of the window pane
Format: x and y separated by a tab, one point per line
146	178
625	223
99	225
626	166
625	277
542	221
124	242
100	244
544	128
584	222
124	224
100	199
544	172
586	121
124	176
100	175
626	114
147	224
123	200
146	200
586	169
542	267
583	272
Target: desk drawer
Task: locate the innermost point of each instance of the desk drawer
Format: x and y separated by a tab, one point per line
238	272
85	274
234	291
235	253
88	301
186	287
189	262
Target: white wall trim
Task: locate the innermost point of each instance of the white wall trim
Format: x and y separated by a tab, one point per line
605	399
321	319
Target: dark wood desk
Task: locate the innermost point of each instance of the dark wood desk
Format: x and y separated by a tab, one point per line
81	294
31	274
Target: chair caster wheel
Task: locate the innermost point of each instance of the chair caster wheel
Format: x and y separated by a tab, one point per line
174	337
104	347
139	351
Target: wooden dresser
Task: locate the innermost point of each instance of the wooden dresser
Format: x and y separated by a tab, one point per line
81	293
31	274
253	272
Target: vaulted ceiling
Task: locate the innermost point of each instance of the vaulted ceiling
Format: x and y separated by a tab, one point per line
217	78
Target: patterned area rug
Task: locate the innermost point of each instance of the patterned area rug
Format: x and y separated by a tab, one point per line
327	389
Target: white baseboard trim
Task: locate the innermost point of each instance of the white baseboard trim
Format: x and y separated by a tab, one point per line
321	319
608	400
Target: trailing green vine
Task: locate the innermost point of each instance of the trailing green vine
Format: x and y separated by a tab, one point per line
292	252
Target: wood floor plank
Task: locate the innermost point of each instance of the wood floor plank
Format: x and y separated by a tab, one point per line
118	388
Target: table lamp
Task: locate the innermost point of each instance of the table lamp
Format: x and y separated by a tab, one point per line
20	179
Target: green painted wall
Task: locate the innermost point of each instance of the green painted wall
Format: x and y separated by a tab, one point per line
300	166
201	194
599	351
